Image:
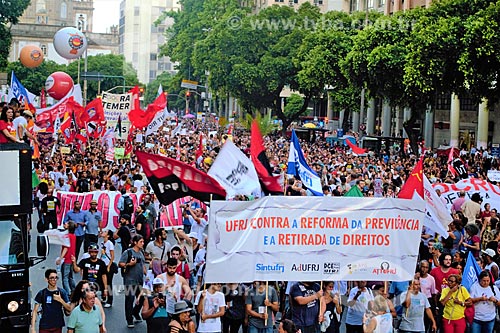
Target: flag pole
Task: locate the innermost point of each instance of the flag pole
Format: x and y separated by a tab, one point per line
265	311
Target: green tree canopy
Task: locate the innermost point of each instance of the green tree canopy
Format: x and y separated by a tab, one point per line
10	11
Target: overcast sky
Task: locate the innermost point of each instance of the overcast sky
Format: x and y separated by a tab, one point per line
106	14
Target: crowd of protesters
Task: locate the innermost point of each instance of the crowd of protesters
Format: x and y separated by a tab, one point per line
163	283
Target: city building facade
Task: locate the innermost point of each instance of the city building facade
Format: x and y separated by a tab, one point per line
140	38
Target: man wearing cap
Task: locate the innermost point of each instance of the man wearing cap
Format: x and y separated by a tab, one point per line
93	225
92	268
489	264
21	124
154	308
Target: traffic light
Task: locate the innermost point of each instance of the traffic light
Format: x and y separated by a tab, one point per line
141	91
188	94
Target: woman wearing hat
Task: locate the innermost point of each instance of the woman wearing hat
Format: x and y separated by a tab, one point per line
181	321
154	308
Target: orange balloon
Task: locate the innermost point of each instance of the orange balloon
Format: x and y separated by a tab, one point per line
31	56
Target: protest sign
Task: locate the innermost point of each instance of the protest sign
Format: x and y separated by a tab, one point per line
494	175
313	239
489	192
117	106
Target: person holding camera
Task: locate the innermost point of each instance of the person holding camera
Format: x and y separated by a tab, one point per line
154	309
133	269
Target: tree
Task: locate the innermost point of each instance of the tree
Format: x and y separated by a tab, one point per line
164	80
10	11
266	124
480	60
106	65
34	79
377	61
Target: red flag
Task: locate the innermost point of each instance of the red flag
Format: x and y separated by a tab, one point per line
355	149
81	117
135	97
45	120
172	180
141	119
66	129
199	151
43	99
451	169
415	182
260	161
95	111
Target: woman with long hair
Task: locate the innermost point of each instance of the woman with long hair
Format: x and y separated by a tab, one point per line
485	296
7	129
331	308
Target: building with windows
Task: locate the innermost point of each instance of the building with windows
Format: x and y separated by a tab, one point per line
140	38
43	18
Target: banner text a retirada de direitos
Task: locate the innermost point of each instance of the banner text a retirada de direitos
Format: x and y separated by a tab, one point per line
297	238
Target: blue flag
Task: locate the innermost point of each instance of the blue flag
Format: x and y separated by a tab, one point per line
18	91
297	166
471	272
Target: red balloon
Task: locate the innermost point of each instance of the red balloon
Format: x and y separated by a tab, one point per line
58	85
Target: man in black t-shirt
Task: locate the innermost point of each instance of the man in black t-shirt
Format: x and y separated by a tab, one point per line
124	232
49	206
92	268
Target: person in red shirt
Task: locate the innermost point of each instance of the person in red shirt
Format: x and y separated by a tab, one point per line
7	129
440	275
67	264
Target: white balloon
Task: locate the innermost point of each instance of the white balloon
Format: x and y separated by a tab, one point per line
70	43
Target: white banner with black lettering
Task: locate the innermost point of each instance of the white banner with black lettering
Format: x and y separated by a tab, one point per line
234	171
314	239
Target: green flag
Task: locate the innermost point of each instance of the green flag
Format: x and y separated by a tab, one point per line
34	179
354	192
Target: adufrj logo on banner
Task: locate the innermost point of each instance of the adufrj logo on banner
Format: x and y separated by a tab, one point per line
313	239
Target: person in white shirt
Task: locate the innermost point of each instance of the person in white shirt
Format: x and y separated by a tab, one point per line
211	306
486	297
21	124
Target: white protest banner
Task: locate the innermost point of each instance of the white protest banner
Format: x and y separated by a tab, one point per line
489	192
437	215
494	175
314	239
157	122
234	171
170	216
117	106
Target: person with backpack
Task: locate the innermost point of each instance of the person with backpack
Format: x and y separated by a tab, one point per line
142	226
125	232
52	300
125	203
